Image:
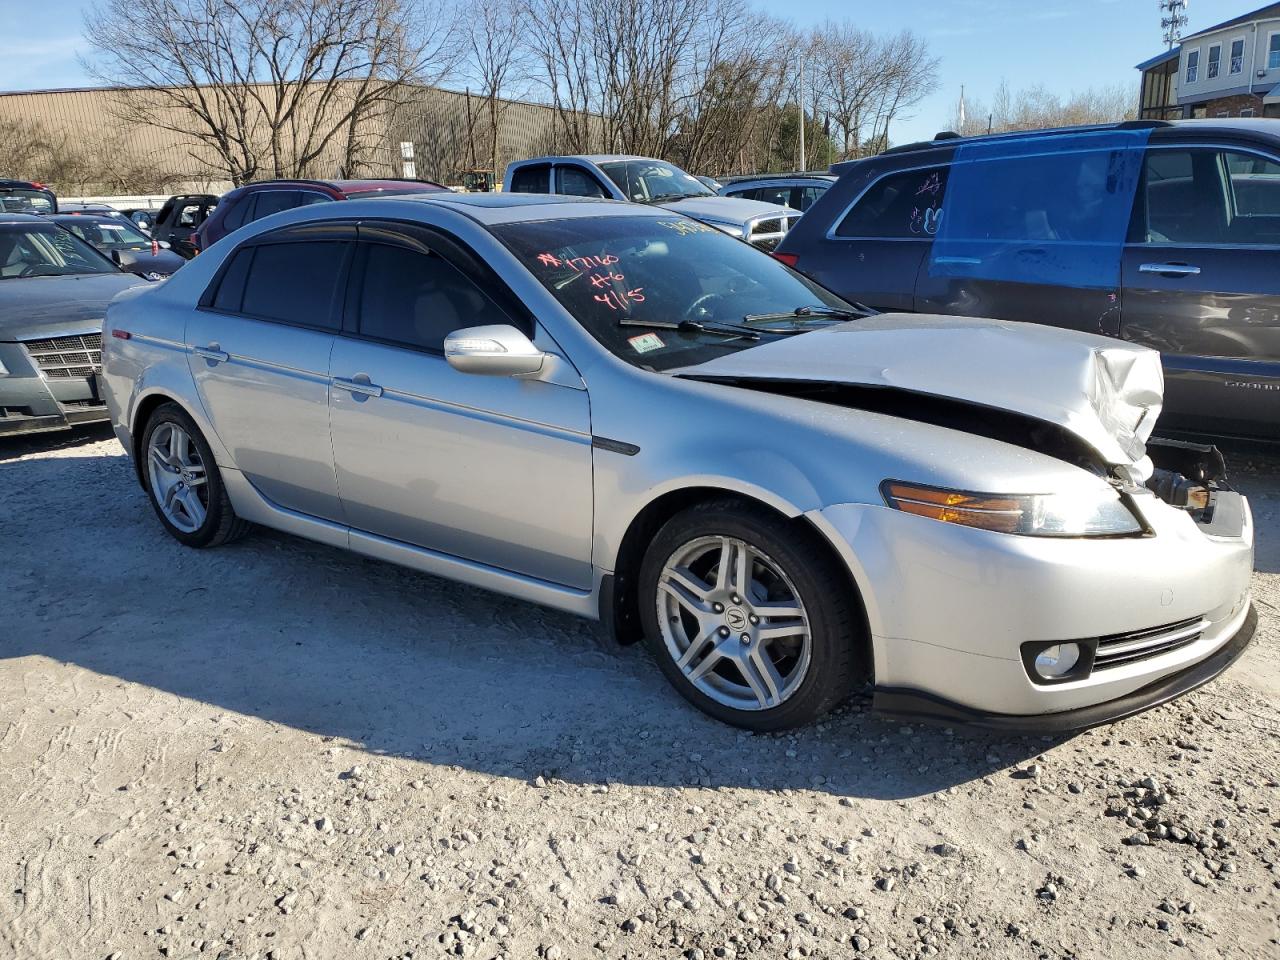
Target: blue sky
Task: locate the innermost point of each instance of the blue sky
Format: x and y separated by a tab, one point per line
1064	45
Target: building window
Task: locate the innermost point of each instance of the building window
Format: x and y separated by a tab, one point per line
1237	55
1223	113
1246	112
1193	65
1273	52
1215	61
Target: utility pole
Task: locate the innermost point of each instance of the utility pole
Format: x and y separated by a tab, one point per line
1173	19
802	163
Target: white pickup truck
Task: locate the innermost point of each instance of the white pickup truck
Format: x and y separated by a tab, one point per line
643	180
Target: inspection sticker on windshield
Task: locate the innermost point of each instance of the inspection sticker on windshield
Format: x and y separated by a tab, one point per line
646	342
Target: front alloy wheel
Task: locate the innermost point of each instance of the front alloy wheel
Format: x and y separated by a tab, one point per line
751	616
734	623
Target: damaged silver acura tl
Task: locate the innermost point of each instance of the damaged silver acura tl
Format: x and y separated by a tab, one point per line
622	413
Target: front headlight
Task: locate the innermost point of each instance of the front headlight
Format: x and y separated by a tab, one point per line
1102	514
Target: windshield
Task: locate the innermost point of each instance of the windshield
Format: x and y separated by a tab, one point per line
107	234
25	200
652	181
39	250
630	280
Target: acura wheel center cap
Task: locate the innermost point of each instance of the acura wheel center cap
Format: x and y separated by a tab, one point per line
736	618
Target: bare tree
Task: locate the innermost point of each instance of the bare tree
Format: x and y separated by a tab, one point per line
498	60
1037	108
268	87
865	82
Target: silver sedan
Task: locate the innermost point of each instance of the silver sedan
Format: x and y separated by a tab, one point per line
620	412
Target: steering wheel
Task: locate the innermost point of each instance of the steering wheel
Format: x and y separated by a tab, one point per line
698	309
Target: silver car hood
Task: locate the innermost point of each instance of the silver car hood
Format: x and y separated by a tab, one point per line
1106	392
726	209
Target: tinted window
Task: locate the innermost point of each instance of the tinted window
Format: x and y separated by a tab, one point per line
234	218
274	201
1209	196
418	299
531	180
295	282
230	293
578	183
901	205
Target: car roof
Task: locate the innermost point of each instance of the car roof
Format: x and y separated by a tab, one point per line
23	218
90	215
1163	128
22	183
495	208
590	158
774	177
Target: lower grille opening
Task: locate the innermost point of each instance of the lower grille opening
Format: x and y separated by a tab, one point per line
1122	648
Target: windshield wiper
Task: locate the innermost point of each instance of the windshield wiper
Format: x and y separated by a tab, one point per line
696	326
811	312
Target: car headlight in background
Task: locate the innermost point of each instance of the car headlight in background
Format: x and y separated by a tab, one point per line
1102	514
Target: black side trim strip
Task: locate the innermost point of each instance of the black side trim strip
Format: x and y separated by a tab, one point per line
615	446
904	703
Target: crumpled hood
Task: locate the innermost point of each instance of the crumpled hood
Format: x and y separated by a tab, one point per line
726	209
31	306
1106	392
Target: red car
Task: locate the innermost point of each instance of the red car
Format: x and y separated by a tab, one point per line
254	201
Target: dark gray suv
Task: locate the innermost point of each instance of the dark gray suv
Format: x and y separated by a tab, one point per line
1162	233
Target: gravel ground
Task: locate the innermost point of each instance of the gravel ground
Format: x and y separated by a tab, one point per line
279	750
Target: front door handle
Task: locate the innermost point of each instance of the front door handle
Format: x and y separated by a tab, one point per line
1170	269
358	385
213	353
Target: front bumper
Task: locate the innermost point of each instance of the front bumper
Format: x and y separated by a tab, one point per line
32	403
950	607
902	703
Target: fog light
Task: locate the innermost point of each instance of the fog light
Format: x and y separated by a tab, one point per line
1058	660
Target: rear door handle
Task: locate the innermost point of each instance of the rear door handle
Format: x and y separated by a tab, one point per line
1170	269
213	353
361	387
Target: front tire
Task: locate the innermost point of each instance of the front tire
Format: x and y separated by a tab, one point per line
184	483
750	616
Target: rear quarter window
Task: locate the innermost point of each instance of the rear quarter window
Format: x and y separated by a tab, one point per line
899	206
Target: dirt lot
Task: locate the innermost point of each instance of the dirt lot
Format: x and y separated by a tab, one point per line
276	749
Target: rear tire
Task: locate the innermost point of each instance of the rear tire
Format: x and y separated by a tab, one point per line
183	481
774	643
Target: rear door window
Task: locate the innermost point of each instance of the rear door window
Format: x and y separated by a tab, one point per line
900	206
294	282
532	179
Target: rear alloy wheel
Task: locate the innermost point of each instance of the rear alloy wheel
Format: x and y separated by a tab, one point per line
750	617
183	480
178	480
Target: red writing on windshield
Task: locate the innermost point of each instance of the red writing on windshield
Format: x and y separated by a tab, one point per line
580	264
621	299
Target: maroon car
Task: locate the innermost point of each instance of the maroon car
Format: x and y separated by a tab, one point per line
254	201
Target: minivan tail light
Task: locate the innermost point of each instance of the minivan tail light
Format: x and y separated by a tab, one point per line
790	259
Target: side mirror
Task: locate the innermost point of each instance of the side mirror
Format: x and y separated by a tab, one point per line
115	257
496	351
